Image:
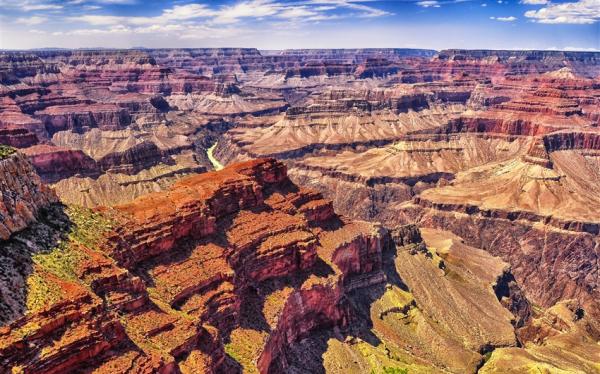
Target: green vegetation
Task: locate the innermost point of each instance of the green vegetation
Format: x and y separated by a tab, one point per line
245	346
140	339
27	330
231	351
390	370
61	262
394	300
487	356
6	151
18	370
41	292
87	228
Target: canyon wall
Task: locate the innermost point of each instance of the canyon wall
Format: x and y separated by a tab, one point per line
477	171
23	194
174	266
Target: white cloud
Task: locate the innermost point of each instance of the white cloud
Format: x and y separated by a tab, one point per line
254	9
429	4
534	2
177	13
323	8
84	20
307	11
116	1
30	21
484	5
189	11
205	32
504	19
158	28
30	7
119	29
180	31
367	11
101	20
357	5
580	12
109	2
297	12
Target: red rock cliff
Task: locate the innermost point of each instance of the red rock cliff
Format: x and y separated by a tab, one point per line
158	285
23	195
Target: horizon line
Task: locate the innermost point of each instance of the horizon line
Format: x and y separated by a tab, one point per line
141	48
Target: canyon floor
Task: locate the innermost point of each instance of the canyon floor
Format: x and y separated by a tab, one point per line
299	211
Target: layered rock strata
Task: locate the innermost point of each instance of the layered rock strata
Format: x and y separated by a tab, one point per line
23	194
490	153
160	284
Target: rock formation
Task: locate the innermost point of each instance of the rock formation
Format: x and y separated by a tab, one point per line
467	183
23	194
177	264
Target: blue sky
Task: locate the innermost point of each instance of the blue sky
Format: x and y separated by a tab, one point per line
278	24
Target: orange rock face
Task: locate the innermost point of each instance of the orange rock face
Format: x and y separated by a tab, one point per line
23	195
483	165
173	276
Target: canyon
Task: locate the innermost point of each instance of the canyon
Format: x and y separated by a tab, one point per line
299	211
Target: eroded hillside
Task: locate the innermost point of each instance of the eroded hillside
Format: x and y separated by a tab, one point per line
440	214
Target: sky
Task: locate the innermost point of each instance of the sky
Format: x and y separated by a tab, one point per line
284	24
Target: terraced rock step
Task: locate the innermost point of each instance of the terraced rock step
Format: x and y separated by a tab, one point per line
378	210
161	283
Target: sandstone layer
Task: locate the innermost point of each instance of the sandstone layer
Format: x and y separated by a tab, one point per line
23	194
169	282
467	183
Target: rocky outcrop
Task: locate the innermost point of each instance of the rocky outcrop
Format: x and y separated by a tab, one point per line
215	196
520	62
491	157
14	66
82	118
567	140
561	337
17	137
522	55
139	157
188	279
20	130
484	231
23	195
88	332
53	163
318	307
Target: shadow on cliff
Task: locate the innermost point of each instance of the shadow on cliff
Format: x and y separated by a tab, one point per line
16	258
253	297
257	297
253	294
307	355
